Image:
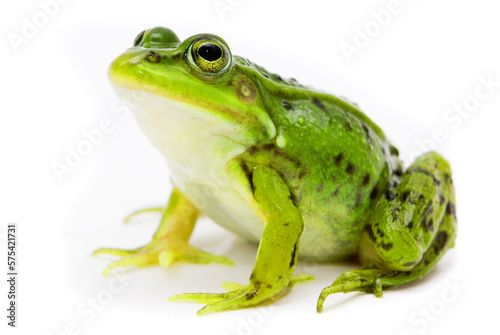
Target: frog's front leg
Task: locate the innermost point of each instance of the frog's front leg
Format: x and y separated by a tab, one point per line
170	242
407	233
271	277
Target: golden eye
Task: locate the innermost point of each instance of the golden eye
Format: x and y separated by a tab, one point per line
210	55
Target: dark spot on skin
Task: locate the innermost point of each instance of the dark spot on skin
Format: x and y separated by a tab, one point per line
370	233
440	241
277	77
176	56
348	126
394	151
379	231
280	277
295	161
286	224
252	150
450	210
336	192
249	175
319	104
409	264
268	147
409	225
287	105
338	159
367	131
277	152
250	296
441	199
269	286
447	178
374	193
394	214
429	225
427	173
386	246
350	168
294	252
426	262
302	173
427	221
399	171
389	195
366	180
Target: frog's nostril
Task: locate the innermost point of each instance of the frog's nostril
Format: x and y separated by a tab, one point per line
152	57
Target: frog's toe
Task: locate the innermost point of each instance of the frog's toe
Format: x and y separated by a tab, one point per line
144	210
200	298
160	252
190	254
353	281
115	252
140	257
220	302
131	260
241	300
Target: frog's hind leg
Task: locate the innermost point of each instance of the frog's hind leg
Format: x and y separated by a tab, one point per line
407	233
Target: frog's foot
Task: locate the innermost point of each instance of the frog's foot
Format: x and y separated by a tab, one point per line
159	251
367	281
240	296
407	233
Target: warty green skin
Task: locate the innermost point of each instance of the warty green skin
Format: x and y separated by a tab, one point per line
307	165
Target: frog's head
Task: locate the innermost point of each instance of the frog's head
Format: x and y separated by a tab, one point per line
195	81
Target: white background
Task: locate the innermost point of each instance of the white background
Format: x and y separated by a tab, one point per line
429	57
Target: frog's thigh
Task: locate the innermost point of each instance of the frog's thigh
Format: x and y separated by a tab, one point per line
407	233
402	228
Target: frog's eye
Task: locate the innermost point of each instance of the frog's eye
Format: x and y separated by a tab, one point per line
210	55
158	37
139	38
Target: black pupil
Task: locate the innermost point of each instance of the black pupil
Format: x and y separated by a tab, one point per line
210	52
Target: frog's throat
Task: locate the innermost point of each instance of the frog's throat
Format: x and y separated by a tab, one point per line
184	134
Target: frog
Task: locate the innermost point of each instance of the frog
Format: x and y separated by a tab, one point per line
295	170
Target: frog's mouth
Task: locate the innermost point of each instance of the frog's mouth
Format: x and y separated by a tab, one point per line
160	89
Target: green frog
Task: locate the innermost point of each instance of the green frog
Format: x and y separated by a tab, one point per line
300	172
